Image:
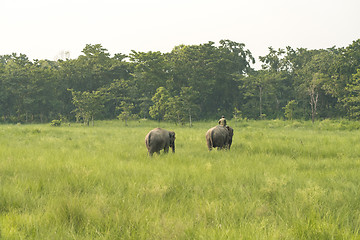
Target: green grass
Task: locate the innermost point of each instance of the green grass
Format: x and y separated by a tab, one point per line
281	180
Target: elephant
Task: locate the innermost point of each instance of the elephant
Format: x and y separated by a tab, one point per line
219	137
158	139
231	134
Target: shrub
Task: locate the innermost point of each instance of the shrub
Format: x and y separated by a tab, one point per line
55	123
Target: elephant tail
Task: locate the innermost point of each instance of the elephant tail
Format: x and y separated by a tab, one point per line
212	138
149	140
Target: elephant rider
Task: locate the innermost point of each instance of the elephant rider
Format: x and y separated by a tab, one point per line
222	121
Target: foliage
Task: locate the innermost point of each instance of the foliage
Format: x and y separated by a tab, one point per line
352	97
201	81
237	114
160	104
87	104
290	109
55	123
184	107
126	112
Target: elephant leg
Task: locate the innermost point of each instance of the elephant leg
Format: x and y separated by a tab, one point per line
209	145
166	148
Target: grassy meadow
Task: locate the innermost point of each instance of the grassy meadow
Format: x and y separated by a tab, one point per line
280	180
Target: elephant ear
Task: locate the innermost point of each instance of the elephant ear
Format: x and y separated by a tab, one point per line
172	135
231	131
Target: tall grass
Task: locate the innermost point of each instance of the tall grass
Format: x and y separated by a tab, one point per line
281	180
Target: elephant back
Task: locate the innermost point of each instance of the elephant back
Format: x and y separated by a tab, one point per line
160	139
157	135
217	136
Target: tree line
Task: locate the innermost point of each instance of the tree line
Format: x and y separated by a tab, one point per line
192	82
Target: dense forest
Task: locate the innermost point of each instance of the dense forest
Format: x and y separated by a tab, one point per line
192	82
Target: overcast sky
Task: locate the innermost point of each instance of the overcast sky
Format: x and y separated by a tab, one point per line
41	29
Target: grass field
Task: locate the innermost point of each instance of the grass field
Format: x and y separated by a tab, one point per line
281	180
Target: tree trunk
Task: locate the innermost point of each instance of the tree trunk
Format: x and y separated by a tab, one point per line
314	97
261	116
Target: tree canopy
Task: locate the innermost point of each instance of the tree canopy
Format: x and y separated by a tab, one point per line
191	82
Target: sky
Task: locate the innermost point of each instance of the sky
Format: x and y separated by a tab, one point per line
42	29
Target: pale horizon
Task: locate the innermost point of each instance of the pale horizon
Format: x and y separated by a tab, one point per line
45	29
